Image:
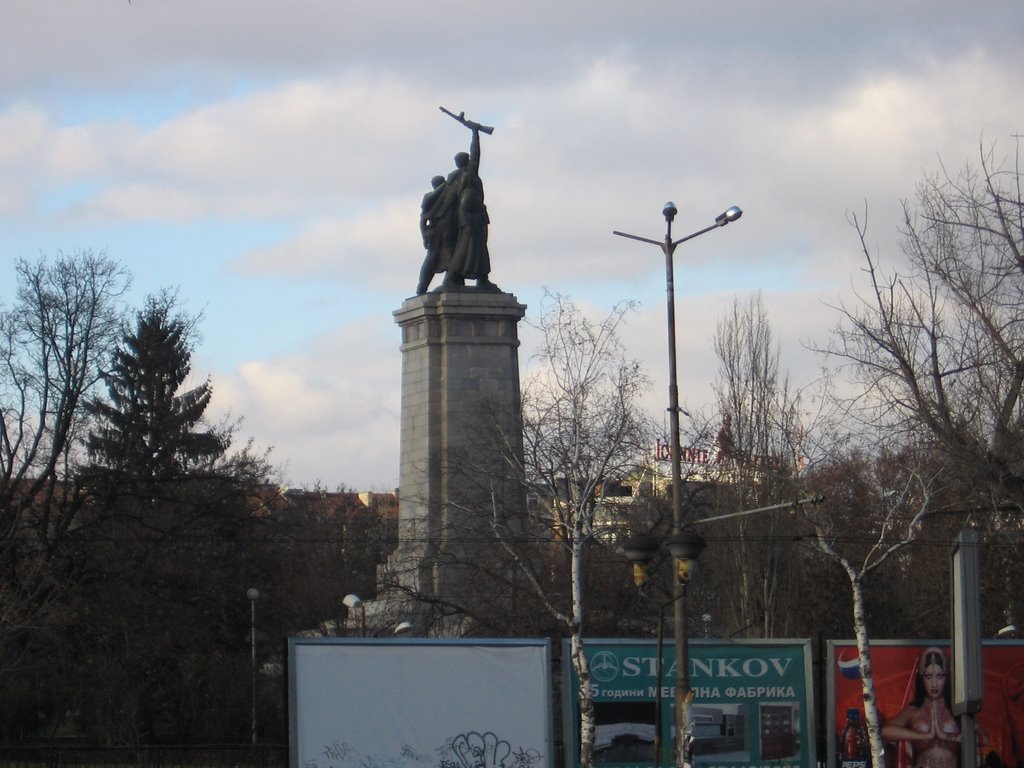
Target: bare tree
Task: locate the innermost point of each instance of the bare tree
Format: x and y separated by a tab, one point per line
875	507
936	349
53	340
583	428
940	347
937	346
757	456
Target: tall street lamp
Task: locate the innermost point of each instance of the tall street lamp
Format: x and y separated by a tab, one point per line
685	548
253	594
668	247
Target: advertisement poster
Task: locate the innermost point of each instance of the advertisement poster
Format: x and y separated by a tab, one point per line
418	703
911	690
752	704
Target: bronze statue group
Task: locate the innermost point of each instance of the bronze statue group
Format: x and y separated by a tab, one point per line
453	222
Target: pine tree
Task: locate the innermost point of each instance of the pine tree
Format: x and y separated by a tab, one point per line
168	539
147	430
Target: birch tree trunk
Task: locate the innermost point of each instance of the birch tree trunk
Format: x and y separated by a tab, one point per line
581	665
867	680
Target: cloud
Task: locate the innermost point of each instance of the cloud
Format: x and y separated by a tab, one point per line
350	247
270	160
331	411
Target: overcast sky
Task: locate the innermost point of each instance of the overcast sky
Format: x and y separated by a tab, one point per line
268	159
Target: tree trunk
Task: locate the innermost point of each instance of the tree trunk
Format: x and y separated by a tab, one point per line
860	628
579	660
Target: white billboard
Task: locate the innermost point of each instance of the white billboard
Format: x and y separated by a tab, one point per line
417	703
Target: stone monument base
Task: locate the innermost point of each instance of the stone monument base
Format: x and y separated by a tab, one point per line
461	423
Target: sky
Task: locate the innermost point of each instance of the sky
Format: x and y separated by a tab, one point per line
267	160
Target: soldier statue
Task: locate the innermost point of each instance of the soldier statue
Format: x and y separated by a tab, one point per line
454	221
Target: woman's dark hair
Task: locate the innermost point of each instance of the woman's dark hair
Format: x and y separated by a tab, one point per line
932	656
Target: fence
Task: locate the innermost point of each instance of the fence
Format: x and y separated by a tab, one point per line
229	756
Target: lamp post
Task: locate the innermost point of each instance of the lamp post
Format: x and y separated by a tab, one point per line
685	547
668	247
352	602
253	594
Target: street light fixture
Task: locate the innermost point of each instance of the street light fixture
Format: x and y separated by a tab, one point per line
352	602
403	628
668	247
640	550
685	547
253	594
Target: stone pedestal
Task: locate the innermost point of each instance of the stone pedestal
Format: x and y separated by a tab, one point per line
461	413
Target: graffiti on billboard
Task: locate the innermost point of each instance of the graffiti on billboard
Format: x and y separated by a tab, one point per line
418	703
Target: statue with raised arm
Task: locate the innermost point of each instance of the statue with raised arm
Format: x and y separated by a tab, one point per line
454	221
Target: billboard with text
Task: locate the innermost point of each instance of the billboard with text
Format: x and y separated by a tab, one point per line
752	703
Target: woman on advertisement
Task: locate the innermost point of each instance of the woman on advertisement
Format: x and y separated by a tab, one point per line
927	724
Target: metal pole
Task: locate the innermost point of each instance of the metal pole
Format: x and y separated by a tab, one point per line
659	676
253	594
684	676
682	688
253	643
658	681
965	621
673	386
252	636
668	247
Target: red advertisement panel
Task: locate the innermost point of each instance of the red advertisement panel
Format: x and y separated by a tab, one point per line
911	680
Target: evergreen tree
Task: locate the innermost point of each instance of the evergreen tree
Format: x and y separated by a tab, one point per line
169	541
147	431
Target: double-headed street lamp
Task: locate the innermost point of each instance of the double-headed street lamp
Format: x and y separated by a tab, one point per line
668	247
685	547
